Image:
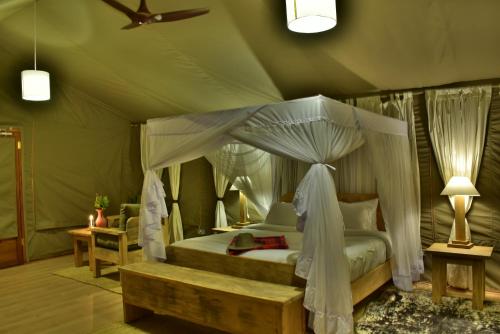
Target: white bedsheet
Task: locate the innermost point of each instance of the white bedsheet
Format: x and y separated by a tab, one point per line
365	249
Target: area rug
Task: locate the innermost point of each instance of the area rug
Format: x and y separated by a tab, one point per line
413	312
109	280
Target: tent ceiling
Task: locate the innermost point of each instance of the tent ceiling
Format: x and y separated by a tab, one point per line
242	54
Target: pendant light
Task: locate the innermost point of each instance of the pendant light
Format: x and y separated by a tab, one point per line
35	84
311	16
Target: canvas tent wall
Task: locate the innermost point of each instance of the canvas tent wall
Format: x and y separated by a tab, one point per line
72	147
317	130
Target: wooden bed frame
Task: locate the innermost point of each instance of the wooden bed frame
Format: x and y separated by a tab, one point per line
280	273
234	294
272	272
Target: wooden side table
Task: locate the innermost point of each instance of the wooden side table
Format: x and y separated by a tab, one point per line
475	257
80	236
223	229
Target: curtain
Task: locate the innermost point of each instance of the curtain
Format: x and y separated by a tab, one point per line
395	187
355	173
399	106
174	220
249	170
310	134
153	235
144	152
171	141
286	175
457	127
221	182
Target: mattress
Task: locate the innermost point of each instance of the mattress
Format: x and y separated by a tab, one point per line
365	250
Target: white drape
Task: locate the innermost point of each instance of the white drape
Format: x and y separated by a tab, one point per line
398	185
311	134
153	233
249	170
457	127
355	173
190	137
395	187
144	142
286	175
174	219
399	106
221	182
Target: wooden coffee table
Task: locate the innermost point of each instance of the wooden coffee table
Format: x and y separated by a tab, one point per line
81	236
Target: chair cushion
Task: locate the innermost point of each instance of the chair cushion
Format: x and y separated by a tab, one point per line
111	242
127	211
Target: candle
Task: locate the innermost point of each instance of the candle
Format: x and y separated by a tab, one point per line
91	221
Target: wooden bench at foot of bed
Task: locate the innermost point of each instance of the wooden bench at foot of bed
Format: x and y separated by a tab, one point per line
228	303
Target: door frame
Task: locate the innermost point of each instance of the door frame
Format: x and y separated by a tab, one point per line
21	244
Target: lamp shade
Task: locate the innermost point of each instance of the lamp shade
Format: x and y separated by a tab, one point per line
35	85
311	16
460	185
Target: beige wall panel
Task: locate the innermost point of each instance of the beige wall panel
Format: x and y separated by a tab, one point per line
8	203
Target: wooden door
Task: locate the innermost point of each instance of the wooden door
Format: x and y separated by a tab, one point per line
12	250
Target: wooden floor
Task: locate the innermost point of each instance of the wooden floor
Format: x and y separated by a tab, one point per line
32	300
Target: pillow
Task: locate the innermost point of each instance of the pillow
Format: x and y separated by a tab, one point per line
127	211
282	214
360	215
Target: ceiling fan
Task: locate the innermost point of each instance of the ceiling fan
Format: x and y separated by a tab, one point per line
143	16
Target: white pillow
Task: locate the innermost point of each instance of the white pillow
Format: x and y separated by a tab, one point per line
360	215
282	214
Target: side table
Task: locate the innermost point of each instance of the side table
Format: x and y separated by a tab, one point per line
80	236
475	257
218	230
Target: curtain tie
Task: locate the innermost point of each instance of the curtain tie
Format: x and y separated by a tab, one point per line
220	198
327	165
175	201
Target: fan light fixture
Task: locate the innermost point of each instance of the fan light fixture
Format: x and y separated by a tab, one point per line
35	84
311	16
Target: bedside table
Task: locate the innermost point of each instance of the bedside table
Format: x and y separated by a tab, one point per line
475	257
223	229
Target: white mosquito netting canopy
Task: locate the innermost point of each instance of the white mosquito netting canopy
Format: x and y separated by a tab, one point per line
319	131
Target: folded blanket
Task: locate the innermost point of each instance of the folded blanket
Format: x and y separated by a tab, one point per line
274	242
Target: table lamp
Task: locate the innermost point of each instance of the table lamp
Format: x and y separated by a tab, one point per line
243	210
460	186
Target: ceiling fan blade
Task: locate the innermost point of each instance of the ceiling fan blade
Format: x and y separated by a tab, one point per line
143	8
179	14
122	8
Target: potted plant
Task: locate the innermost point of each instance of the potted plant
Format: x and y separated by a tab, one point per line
100	204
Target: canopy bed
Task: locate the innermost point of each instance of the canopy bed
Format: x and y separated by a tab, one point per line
319	131
368	252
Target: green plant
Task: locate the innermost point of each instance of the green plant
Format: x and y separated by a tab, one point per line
101	201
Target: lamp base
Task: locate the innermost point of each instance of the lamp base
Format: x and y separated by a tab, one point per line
240	225
460	244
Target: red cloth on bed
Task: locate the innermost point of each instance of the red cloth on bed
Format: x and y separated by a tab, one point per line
277	242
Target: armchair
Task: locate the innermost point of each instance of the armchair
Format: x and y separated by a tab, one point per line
117	243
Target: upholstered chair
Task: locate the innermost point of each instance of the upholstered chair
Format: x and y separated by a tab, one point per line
118	242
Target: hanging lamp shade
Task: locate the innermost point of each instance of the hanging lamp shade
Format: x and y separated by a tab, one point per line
35	85
311	16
